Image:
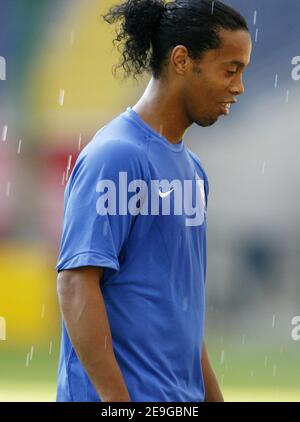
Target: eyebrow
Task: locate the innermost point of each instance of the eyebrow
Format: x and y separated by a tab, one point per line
237	63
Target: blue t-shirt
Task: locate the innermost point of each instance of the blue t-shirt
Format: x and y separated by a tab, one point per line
135	204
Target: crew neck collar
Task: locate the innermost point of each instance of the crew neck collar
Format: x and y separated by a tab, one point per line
133	115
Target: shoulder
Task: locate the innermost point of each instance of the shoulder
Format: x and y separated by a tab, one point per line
119	140
105	158
119	154
116	148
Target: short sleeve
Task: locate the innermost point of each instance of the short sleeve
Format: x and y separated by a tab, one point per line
91	236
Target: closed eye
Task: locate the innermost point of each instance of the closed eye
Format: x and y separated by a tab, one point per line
231	72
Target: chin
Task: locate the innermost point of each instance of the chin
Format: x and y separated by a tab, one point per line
206	122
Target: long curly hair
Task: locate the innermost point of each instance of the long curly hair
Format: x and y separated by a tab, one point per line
148	30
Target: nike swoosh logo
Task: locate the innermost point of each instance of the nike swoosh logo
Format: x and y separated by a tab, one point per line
165	194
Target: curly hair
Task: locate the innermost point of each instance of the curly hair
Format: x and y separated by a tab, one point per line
149	29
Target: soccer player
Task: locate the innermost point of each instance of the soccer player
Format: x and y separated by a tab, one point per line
132	264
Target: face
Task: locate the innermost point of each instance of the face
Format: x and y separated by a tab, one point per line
210	85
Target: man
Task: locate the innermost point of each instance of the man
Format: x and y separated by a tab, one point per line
132	265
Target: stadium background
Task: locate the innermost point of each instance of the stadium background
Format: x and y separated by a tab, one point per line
59	90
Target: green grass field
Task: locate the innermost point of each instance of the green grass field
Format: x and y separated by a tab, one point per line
257	373
45	392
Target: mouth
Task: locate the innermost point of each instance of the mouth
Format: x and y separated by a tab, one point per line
225	107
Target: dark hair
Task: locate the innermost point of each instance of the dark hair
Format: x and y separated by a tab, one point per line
149	29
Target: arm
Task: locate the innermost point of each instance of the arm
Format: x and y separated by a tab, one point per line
84	313
212	389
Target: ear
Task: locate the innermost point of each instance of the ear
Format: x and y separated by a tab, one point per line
180	59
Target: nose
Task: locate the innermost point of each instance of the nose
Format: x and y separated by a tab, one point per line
237	87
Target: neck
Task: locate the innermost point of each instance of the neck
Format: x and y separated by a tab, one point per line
161	109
